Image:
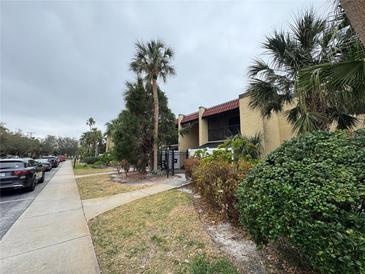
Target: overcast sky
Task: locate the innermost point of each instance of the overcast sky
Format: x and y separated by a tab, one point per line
62	62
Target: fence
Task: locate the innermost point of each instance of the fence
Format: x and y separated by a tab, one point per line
172	161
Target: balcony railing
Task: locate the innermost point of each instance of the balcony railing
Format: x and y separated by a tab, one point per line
217	134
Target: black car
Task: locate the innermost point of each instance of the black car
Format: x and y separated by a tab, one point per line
20	173
52	159
47	165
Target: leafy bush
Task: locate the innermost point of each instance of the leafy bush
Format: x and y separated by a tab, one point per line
189	165
201	153
89	160
104	159
244	148
311	191
217	180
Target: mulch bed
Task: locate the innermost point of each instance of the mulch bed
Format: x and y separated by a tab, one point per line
136	178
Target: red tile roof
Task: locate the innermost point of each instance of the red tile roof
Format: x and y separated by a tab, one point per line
190	117
230	105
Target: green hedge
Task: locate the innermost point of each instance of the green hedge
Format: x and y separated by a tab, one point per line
311	191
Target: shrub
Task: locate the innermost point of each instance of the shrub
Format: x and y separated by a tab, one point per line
189	165
244	148
201	153
104	159
116	165
89	160
311	191
217	180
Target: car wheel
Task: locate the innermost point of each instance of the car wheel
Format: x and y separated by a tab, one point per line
32	186
41	180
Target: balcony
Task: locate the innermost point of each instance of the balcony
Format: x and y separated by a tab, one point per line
223	133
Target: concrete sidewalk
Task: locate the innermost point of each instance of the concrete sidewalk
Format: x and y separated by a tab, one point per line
96	206
52	235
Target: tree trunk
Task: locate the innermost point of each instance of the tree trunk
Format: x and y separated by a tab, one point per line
355	11
155	121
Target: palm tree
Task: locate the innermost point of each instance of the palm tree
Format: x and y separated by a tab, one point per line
109	127
90	122
274	83
342	79
152	61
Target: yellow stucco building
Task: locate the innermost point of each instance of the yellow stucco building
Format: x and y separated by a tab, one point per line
209	127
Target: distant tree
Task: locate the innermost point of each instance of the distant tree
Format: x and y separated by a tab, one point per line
97	139
152	61
90	122
91	141
49	145
16	143
67	145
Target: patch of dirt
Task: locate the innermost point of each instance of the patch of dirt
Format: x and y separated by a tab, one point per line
135	178
242	250
232	238
186	189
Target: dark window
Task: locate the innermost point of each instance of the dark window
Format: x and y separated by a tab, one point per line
8	165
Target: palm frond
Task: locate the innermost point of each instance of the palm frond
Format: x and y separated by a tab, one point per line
309	121
152	60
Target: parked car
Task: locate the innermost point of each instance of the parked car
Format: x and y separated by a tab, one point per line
20	173
52	159
62	158
47	165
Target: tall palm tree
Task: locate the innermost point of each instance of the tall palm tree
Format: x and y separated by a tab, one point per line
152	61
310	41
90	122
342	79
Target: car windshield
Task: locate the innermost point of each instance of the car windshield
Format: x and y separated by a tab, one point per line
11	164
43	161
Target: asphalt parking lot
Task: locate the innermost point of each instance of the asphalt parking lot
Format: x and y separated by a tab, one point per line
14	202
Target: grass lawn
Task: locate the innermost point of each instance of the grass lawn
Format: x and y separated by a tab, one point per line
84	170
101	185
158	234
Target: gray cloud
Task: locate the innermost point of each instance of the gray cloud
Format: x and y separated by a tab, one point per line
62	62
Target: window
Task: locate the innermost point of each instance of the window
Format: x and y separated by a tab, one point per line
11	165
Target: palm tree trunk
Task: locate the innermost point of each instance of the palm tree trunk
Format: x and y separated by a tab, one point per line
354	9
155	121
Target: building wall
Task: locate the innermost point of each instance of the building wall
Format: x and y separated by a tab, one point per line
190	140
203	128
275	130
250	120
271	133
